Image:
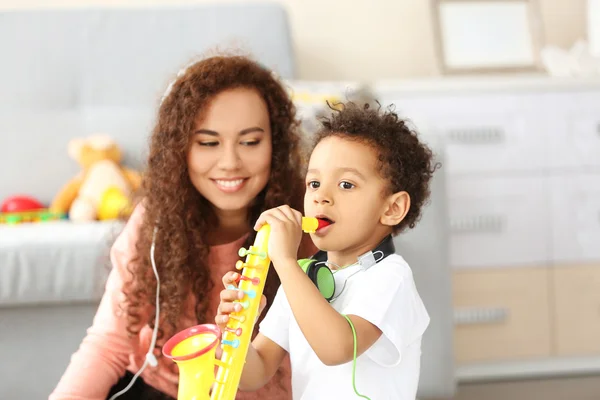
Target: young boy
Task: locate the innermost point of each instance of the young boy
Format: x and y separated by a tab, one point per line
368	178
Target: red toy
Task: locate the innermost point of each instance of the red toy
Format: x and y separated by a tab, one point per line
21	203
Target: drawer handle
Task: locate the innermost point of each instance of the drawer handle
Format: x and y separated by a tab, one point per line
477	135
476	316
482	223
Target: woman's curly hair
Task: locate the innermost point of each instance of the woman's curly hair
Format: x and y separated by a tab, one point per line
404	161
183	216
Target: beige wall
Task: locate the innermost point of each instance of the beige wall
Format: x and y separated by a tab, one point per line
366	40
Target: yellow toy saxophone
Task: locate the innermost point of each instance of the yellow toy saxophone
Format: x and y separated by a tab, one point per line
193	349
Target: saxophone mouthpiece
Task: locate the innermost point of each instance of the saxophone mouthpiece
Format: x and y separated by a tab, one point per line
312	224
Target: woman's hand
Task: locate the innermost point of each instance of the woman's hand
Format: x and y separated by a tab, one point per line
286	233
228	298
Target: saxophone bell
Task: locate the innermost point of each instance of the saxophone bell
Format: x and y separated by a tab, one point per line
193	350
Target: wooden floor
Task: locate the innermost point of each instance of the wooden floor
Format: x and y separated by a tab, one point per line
571	388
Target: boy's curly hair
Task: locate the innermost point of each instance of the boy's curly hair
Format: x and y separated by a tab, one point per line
405	162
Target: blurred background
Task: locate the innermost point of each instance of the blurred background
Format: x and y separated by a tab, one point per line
506	92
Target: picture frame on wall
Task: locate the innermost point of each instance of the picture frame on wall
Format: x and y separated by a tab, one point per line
493	36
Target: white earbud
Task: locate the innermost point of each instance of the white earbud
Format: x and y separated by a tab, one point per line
151	358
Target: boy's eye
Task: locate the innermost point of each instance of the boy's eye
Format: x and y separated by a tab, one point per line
313	184
209	144
346	185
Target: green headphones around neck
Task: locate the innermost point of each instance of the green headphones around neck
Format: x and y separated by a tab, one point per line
319	273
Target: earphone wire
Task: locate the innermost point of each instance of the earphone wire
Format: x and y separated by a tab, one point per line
354	337
354	359
150	358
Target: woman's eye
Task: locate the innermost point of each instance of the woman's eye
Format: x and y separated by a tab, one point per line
313	184
208	144
251	142
346	185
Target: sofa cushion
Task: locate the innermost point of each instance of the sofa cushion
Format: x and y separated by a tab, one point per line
54	262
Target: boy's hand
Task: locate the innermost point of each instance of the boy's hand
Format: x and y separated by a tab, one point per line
228	296
286	233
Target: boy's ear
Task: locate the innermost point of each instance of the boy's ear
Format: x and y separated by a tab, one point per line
397	207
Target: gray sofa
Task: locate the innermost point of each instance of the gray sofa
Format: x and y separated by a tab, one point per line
71	73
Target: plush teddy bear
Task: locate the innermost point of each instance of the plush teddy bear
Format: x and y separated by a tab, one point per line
100	158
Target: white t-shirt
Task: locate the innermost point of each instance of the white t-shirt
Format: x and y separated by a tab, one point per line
385	294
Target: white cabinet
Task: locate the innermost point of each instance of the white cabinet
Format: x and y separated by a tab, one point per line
498	221
492	143
575	218
576	304
522	165
492	134
518	330
483	133
575	139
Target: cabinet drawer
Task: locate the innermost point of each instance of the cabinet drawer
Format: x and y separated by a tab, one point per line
496	144
483	133
576	217
492	134
575	141
501	314
498	221
577	305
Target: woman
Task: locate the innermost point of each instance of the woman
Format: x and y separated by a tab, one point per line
225	148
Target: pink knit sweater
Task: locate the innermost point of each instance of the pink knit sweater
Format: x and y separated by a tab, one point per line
108	351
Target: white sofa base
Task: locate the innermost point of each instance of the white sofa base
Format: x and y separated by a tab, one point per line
57	329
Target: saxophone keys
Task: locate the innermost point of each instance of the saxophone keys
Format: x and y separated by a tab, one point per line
238	318
243	252
245	304
255	281
235	343
240	264
250	293
221	364
236	332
